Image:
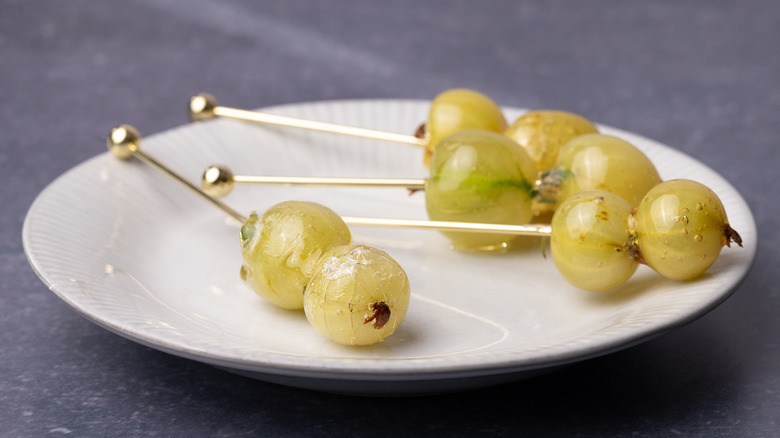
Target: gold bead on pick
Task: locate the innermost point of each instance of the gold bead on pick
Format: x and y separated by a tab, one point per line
202	107
123	141
217	181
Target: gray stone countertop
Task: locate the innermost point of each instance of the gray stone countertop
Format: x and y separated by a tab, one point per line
700	76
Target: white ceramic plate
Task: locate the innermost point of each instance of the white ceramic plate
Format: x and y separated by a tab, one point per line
143	257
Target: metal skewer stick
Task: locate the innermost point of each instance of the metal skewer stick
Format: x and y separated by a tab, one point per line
218	181
124	142
204	106
519	230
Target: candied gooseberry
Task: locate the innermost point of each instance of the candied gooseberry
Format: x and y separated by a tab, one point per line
458	109
281	249
544	132
591	242
681	227
358	295
480	176
601	162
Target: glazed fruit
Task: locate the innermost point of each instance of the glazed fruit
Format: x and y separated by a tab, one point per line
543	133
458	109
600	162
281	248
591	242
681	227
480	176
357	295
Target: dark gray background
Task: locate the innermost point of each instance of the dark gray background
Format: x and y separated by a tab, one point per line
702	76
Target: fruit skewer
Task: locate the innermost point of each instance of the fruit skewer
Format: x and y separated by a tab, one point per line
598	239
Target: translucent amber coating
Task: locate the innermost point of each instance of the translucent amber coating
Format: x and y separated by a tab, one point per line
681	227
604	162
458	109
358	295
543	133
480	176
591	242
281	249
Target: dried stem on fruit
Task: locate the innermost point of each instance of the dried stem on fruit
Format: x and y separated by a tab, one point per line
380	316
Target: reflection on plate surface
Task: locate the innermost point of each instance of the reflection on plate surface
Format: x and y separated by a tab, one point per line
141	256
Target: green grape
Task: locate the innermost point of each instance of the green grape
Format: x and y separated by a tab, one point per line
681	226
590	242
602	162
458	109
480	176
281	249
358	295
543	133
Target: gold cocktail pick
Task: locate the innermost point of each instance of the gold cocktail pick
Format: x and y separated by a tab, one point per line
204	106
124	142
218	180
